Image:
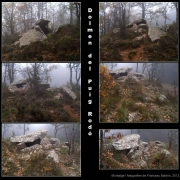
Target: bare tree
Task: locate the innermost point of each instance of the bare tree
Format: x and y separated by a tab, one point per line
72	137
5	128
57	127
24	127
77	69
172	137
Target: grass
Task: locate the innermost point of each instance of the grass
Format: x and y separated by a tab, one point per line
120	160
39	106
64	45
160	161
36	165
164	49
44	167
131	96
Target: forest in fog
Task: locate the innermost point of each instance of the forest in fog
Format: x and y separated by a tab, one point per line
20	16
138	31
52	28
119	14
53	73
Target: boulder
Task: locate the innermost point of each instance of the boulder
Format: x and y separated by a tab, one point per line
143	26
68	91
54	141
165	152
21	145
33	147
142	163
42	25
31	36
58	96
140	75
134	117
127	142
17	42
155	33
47	146
137	22
162	97
30	138
120	72
52	154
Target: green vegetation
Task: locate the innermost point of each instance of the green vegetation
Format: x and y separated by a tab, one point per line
118	101
115	47
18	163
64	45
40	106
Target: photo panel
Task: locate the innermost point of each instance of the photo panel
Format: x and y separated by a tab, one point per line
43	150
138	149
138	31
41	31
139	92
41	92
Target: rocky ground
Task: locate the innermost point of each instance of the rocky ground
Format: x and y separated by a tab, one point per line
63	45
43	105
137	46
133	100
45	159
136	154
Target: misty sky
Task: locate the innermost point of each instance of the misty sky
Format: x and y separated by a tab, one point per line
59	76
35	127
136	14
169	74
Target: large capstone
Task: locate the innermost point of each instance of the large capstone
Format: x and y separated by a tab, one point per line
31	36
42	25
120	72
30	138
155	33
127	142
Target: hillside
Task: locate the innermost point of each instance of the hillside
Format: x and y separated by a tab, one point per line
134	154
137	46
41	105
33	161
135	99
63	45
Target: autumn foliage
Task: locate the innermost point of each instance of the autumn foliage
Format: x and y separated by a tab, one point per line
106	81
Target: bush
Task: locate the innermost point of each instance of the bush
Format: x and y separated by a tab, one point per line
38	165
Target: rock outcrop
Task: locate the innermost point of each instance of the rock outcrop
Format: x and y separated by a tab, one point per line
137	22
30	138
36	33
127	142
31	36
138	154
52	154
120	72
68	91
155	33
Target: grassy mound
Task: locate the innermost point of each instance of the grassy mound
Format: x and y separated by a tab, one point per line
64	45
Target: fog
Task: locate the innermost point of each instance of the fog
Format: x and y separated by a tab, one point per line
35	127
145	134
157	20
58	76
168	75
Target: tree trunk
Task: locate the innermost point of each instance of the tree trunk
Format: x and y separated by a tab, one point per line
143	10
